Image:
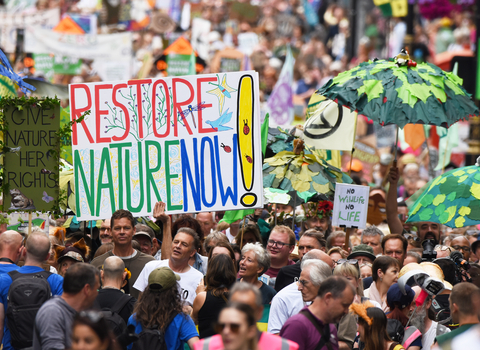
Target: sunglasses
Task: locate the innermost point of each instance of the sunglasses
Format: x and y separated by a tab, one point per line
234	327
353	262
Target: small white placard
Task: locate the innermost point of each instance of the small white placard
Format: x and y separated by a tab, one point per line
350	206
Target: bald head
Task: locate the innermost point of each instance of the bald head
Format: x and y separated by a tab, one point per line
37	246
113	268
320	255
11	245
10	238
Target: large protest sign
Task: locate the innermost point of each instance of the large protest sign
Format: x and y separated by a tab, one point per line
350	206
31	158
193	142
10	22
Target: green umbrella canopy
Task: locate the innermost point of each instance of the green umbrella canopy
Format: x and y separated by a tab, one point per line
452	199
391	94
302	172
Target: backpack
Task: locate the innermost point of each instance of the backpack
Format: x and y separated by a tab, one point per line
115	322
26	295
151	339
395	330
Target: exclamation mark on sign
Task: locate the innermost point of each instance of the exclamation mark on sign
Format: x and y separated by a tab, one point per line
245	110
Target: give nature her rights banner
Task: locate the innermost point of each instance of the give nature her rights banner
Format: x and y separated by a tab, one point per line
193	142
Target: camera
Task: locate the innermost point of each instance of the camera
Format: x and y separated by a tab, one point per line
429	253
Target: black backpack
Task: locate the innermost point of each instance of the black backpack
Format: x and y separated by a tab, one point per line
395	330
26	295
151	339
112	315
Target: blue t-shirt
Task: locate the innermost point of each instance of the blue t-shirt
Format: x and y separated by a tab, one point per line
180	330
56	286
6	268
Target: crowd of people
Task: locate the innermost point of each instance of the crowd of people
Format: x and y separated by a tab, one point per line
192	281
266	281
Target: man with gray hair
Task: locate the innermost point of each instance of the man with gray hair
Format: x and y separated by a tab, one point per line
111	296
293	298
373	237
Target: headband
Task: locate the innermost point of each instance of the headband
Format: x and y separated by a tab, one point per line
361	310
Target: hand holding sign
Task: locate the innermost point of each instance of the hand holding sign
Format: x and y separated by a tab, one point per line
350	205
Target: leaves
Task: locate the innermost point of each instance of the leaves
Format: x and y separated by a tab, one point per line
388	94
451	199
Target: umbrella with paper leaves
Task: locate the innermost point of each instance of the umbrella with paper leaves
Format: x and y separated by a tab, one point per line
401	92
452	199
302	173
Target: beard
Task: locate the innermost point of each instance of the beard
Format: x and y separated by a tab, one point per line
418	320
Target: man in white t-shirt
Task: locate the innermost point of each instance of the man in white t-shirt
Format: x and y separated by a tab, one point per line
183	248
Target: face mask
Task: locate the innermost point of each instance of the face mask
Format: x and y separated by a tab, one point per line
441	308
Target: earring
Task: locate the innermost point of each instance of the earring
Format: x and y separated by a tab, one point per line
381	279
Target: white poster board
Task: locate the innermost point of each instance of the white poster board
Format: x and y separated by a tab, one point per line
193	142
350	206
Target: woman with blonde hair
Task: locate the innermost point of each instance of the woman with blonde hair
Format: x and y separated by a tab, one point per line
351	271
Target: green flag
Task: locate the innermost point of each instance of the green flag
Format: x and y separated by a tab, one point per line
234	215
265	133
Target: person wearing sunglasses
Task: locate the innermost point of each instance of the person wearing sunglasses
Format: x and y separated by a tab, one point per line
237	326
248	294
92	332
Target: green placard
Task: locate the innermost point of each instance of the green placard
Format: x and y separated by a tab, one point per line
31	158
67	65
44	65
178	65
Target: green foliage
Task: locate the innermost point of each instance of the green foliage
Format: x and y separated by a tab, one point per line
63	138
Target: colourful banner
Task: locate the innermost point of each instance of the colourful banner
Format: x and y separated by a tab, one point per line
31	159
280	102
193	142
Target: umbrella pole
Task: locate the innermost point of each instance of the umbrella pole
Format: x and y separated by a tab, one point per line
396	146
351	160
445	155
275	214
431	172
294	206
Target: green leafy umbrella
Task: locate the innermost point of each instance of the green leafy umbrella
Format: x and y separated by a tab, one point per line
452	199
388	92
303	172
